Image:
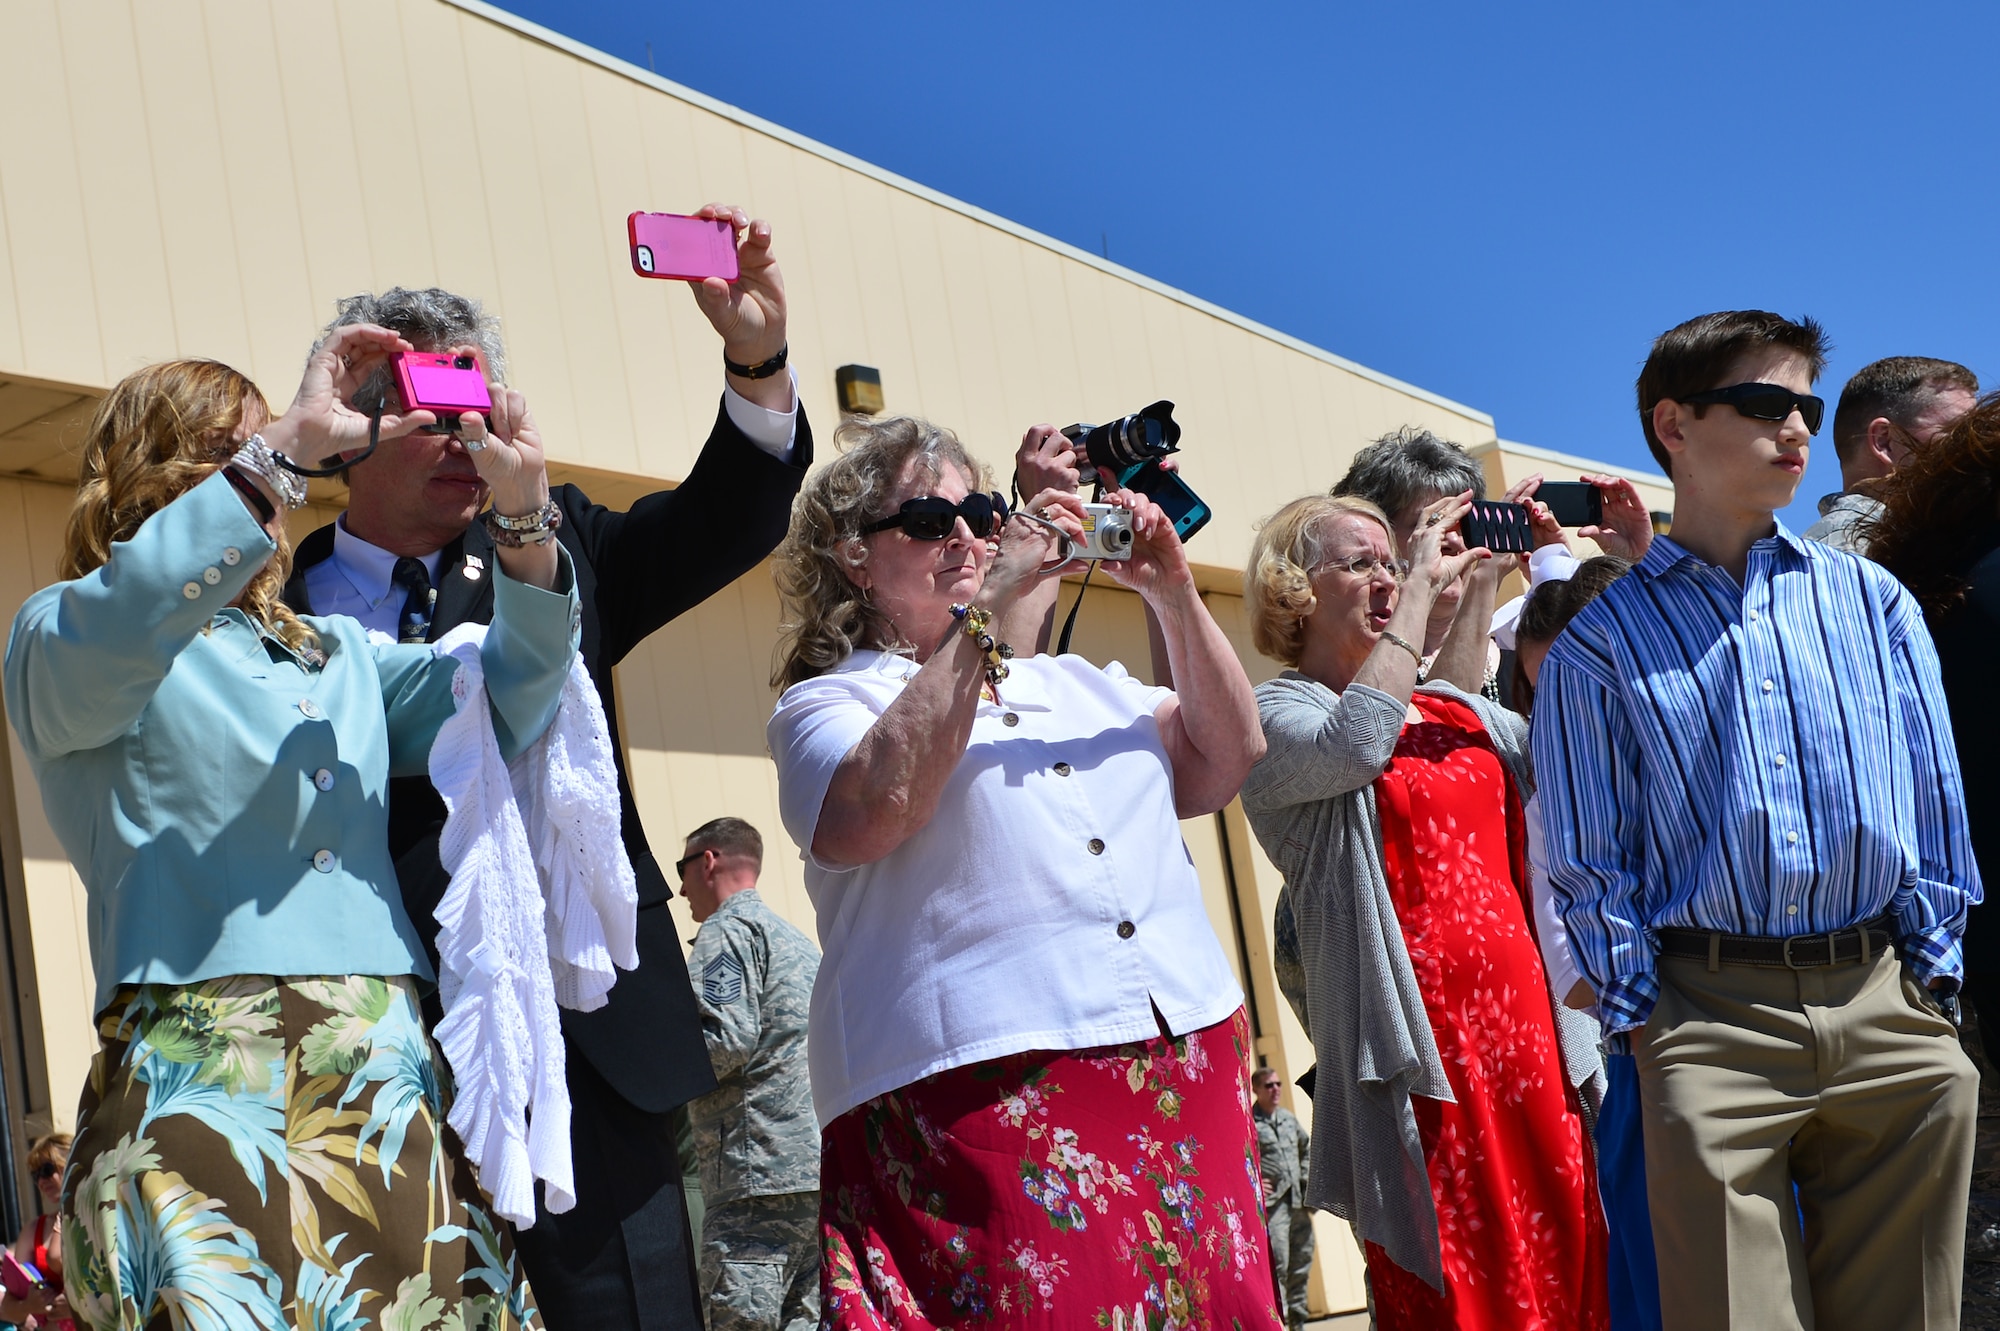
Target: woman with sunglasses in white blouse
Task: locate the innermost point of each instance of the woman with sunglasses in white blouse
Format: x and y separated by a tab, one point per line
1028	1051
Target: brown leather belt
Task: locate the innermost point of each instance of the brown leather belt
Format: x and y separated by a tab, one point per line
1863	942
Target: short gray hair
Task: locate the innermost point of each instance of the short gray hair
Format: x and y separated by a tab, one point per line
431	320
727	836
1407	464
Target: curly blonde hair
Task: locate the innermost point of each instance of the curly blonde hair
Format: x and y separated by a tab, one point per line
1277	583
827	617
156	435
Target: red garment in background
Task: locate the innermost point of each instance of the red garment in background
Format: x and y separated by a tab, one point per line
1519	1223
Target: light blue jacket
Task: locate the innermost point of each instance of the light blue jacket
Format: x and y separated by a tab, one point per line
224	800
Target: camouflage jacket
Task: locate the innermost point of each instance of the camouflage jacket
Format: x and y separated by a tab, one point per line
754	1134
1282	1143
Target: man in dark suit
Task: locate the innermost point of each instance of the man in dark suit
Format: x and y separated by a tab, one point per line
409	558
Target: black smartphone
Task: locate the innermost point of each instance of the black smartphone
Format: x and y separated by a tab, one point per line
1573	503
1186	508
1501	528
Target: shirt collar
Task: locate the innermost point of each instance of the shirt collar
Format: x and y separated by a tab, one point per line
1020	692
1848	502
1665	553
896	665
368	566
736	901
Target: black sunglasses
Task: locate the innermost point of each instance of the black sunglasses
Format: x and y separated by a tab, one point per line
932	519
1764	402
681	865
47	1169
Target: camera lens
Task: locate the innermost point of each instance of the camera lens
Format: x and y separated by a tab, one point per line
1131	439
464	362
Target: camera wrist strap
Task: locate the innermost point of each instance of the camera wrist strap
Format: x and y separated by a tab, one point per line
339	464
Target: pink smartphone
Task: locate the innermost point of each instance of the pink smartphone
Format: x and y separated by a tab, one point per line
19	1278
444	382
688	248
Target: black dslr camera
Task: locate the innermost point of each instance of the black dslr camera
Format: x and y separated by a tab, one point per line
1130	448
1130	440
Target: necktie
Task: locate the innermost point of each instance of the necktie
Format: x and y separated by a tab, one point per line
414	625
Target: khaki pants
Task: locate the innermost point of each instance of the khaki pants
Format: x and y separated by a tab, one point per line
1844	1080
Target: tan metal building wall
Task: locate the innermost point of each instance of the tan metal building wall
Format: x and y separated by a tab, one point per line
204	179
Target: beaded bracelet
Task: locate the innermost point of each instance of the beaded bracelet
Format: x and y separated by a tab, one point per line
261	460
977	623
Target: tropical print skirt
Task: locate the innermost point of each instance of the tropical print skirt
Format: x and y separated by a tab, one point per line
258	1154
1114	1187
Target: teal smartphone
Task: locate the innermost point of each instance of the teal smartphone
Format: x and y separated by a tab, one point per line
1186	508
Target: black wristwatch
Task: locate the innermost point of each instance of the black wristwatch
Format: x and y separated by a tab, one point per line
763	370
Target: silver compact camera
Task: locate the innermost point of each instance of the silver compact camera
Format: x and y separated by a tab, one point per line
1107	533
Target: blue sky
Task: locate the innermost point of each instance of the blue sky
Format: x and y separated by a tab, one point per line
1503	204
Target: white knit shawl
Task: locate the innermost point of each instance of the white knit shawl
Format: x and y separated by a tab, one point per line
542	906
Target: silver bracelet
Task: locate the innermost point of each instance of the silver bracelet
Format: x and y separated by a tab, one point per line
261	460
1407	646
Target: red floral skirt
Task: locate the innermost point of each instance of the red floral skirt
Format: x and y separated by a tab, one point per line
1114	1187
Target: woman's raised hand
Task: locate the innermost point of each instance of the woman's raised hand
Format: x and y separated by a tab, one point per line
1030	552
1431	569
320	426
1541	522
1627	529
1158	561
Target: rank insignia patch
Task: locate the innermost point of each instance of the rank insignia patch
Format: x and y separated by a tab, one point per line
722	980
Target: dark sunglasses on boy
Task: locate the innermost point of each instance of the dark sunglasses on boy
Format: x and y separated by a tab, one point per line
46	1170
930	518
1764	402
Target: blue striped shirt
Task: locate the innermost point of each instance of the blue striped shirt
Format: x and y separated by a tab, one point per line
1770	759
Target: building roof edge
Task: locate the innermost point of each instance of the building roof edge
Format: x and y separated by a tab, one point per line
625	69
1570	461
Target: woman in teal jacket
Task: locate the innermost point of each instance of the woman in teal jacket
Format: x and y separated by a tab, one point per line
260	1143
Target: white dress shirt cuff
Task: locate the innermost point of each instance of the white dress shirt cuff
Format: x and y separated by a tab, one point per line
772	431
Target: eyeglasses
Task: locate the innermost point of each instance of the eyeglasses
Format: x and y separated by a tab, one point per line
681	865
1764	402
1365	566
46	1170
930	518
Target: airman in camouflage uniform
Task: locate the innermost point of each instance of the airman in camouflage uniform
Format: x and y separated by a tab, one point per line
755	1135
1282	1142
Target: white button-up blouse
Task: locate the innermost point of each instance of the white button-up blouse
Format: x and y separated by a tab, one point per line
1049	904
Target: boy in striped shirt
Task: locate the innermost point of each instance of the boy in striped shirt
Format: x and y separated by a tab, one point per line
1756	835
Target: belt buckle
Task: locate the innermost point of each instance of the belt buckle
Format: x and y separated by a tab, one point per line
1786	954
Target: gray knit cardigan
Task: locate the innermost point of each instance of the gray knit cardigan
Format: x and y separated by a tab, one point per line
1311	802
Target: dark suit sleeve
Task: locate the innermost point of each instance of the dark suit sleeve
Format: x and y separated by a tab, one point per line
673	550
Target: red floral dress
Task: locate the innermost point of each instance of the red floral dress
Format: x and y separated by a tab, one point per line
1112	1188
1519	1224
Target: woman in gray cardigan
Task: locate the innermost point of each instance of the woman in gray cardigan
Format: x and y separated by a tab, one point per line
1444	1127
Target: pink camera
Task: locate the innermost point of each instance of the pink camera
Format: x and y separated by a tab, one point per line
446	383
